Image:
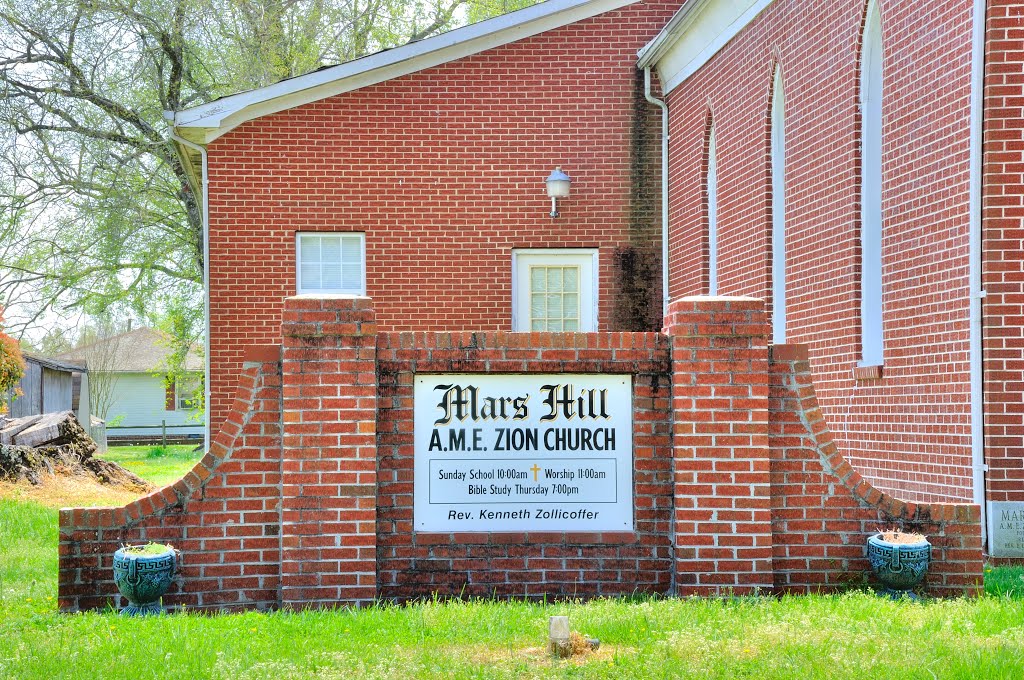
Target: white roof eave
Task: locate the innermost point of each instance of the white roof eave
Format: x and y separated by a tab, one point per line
675	29
205	123
691	23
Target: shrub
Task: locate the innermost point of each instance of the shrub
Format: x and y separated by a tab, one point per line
12	367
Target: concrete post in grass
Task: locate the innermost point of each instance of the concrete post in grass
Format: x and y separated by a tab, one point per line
558	636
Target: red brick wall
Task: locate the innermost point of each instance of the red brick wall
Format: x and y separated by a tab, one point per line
908	431
722	520
223	516
822	508
585	564
328	451
455	154
1003	268
304	500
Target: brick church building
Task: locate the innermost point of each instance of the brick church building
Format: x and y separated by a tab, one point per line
857	164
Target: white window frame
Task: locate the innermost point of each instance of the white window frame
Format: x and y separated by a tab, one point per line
584	258
336	291
871	102
712	187
778	151
181	397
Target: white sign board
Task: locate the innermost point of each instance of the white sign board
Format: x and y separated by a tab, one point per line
1006	529
523	452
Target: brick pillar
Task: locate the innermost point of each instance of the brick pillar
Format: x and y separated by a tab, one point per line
329	475
722	523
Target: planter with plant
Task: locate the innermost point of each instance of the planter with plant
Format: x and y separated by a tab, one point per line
143	574
900	561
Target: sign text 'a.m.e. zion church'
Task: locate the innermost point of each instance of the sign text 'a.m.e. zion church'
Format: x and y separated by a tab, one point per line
523	452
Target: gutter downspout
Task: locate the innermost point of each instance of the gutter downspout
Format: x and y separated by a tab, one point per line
664	188
206	278
976	291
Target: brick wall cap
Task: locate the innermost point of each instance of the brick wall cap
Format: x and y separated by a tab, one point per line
327	296
788	352
709	304
719	298
261	353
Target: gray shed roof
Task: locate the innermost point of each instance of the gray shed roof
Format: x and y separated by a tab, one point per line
57	364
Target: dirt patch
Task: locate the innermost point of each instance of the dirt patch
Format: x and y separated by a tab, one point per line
542	656
58	491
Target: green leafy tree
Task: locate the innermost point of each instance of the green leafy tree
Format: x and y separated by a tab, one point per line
12	366
98	213
104	212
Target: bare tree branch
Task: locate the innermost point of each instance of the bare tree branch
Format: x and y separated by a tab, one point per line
96	208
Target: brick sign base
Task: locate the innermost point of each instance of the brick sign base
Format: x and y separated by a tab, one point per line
305	498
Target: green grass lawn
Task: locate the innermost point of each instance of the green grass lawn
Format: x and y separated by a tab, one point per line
855	635
1005	581
160	465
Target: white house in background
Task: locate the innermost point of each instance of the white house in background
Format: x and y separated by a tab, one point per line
140	402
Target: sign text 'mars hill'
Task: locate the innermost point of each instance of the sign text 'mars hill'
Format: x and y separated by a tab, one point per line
549	452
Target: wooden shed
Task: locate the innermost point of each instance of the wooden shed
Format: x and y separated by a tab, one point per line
51	385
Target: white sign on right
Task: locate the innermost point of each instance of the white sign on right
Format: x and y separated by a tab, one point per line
1006	528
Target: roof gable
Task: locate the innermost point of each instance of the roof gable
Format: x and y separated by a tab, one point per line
143	350
205	123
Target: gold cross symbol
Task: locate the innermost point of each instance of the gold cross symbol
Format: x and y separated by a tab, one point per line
535	469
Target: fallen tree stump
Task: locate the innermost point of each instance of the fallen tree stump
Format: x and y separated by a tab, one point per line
55	444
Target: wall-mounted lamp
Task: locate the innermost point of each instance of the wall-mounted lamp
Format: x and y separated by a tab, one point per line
558	187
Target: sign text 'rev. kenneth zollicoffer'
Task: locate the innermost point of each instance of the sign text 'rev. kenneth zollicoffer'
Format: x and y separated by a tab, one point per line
549	452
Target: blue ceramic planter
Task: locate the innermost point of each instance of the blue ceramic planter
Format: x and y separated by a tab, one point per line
900	567
143	580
